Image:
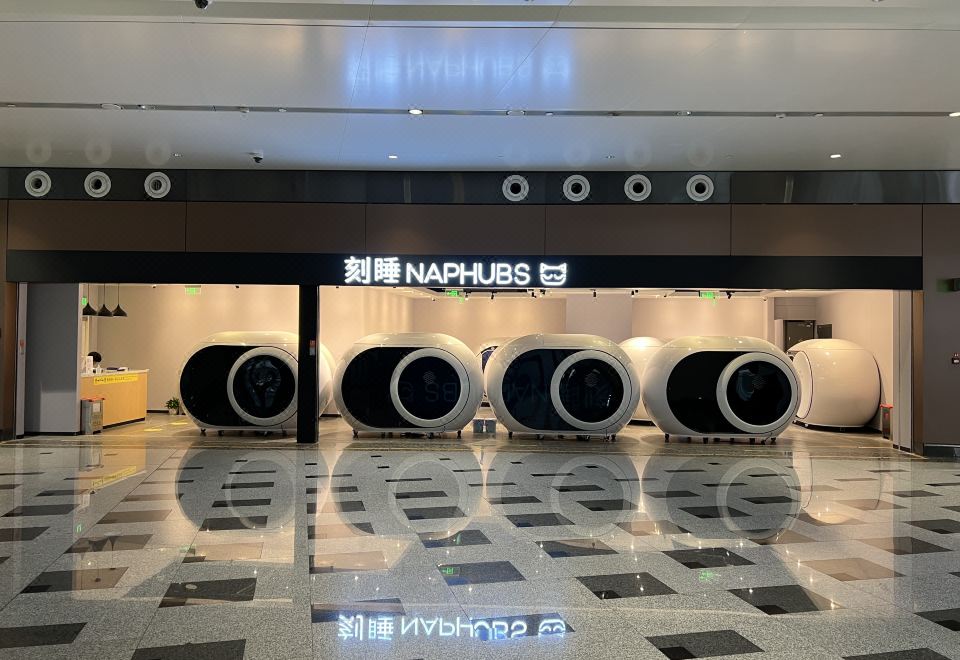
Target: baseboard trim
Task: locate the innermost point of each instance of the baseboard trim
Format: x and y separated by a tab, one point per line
941	451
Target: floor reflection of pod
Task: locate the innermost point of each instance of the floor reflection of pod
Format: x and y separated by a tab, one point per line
272	491
751	498
591	491
421	492
823	504
769	485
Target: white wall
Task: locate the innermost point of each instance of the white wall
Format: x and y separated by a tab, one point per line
608	315
479	318
52	359
164	323
866	318
349	313
669	318
795	309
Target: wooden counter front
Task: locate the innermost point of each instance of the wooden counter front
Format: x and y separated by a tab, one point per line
124	394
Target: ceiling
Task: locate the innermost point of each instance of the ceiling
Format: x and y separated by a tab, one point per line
589	84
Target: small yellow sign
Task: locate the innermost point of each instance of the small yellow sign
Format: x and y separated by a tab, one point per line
116	378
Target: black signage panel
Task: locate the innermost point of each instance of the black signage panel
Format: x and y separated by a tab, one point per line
534	272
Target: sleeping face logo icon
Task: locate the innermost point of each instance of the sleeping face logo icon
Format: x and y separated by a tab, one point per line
553	275
552	627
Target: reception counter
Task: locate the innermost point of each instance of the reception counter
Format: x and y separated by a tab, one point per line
124	394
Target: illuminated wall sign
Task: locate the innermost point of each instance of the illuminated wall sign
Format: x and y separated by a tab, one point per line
387	627
396	272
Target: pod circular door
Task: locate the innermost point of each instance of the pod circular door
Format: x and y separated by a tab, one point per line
262	386
757	393
429	387
590	390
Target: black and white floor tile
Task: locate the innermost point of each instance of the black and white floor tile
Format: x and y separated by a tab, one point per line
349	549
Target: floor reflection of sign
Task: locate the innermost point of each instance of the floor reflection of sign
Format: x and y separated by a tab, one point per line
112	477
387	627
116	378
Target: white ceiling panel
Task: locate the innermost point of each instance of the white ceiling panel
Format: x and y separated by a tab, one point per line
474	57
83	138
149	139
175	63
739	70
712	143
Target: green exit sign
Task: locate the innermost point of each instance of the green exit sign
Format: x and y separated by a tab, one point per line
708	295
449	570
453	293
83	301
192	290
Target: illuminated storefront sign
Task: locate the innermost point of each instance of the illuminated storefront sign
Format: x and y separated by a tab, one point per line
387	627
394	271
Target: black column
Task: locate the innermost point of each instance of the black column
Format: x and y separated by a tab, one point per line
307	413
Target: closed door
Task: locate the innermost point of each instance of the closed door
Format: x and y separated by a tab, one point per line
795	332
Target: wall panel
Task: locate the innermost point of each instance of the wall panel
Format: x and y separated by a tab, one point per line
96	226
461	229
274	227
638	229
941	318
827	230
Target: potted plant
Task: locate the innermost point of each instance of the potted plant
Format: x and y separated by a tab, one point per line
173	405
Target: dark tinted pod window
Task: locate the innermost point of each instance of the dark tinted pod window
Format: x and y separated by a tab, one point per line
203	385
429	387
366	387
264	386
526	388
759	393
591	390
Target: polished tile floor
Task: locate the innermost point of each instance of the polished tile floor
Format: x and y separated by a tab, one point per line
162	545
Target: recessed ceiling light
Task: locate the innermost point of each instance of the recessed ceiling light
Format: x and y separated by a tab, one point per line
392	156
609	156
516	113
547	114
835	156
684	113
415	111
281	109
177	155
954	114
111	106
11	105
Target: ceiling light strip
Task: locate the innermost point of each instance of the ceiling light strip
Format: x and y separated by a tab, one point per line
778	114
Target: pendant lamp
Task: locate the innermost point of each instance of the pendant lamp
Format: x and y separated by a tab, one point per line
103	311
88	309
118	310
